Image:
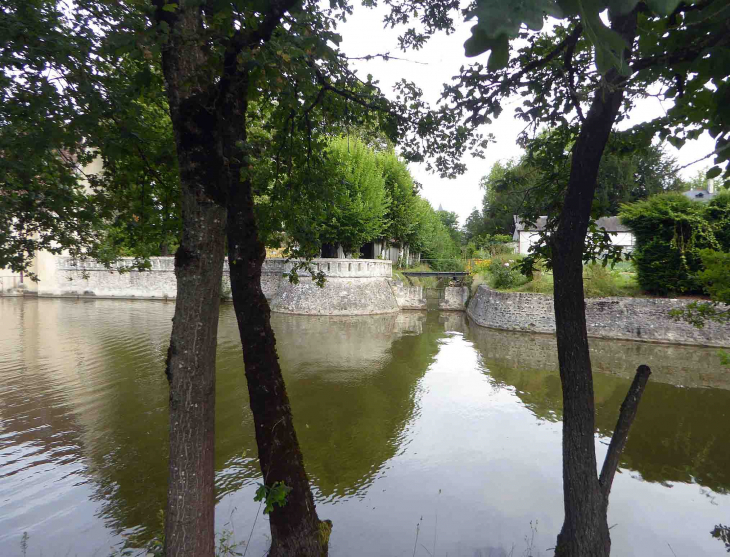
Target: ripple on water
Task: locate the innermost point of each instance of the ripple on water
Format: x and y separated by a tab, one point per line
401	419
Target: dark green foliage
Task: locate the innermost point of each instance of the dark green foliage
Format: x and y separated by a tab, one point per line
670	232
531	185
359	202
401	214
718	213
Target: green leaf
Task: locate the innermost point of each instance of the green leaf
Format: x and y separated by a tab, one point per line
170	7
609	45
496	17
663	7
714	172
480	43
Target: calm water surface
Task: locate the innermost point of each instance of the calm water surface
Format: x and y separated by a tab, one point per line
410	424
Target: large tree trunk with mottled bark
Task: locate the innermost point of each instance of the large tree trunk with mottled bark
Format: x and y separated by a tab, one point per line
189	514
585	530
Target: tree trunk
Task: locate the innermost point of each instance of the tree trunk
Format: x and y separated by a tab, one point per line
189	519
189	516
295	528
585	530
329	251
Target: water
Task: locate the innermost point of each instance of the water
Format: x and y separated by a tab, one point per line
411	425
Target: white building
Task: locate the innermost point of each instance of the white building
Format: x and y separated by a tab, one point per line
525	236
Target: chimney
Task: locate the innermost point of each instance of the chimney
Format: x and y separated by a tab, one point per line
711	186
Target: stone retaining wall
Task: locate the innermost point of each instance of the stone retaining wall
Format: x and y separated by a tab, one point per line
408	297
353	287
455	298
645	319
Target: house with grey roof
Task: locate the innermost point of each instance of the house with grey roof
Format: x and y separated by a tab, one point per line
526	235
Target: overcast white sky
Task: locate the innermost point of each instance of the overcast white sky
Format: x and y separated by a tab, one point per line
439	61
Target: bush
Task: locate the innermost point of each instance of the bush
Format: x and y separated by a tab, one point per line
718	214
670	232
504	274
443	265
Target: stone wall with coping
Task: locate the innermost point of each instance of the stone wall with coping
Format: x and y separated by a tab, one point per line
353	287
339	296
645	319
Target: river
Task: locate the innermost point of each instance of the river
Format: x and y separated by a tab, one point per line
421	433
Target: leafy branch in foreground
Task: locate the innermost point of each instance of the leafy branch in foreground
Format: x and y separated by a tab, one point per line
276	494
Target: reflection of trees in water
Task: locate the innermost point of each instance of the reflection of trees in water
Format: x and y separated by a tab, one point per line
680	434
352	383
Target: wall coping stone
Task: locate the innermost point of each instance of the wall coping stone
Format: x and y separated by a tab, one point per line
334	268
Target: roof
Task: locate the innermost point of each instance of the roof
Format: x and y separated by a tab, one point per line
699	195
611	224
520	225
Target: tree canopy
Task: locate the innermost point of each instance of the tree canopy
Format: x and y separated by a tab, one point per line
521	187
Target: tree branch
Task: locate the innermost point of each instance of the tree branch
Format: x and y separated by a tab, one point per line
386	57
621	433
687	55
568	62
244	38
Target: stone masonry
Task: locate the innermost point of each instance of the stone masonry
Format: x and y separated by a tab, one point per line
645	319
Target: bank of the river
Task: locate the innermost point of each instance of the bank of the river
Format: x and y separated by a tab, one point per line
404	419
366	287
353	286
642	319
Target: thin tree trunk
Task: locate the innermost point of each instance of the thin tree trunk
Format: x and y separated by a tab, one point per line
585	530
189	516
295	528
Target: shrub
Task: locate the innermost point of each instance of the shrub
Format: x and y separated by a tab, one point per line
718	214
446	265
504	274
670	231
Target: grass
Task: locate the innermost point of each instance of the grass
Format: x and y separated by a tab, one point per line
426	282
598	281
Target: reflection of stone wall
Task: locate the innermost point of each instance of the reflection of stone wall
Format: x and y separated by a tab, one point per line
644	319
687	366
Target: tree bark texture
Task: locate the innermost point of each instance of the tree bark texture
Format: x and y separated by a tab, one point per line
585	529
295	527
190	510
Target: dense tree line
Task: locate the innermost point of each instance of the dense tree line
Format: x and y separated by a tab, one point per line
372	196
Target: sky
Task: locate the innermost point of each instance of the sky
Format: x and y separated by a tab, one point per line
435	65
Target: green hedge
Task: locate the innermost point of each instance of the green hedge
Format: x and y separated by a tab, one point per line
670	231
